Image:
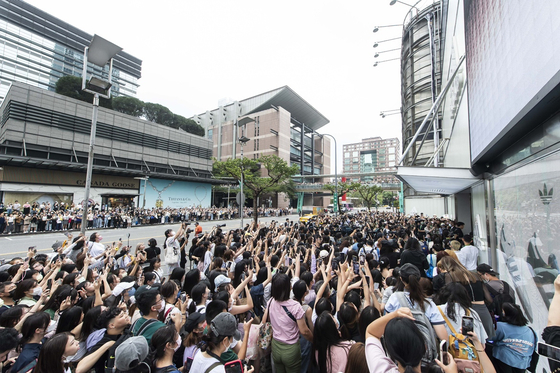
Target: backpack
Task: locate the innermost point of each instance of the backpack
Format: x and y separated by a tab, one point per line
461	348
425	327
110	363
432	261
499	298
28	368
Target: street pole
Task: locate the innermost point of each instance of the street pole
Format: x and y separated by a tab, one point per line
335	202
241	199
90	162
144	199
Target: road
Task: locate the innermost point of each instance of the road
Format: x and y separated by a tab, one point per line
16	245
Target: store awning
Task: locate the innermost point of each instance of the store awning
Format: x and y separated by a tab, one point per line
119	195
437	180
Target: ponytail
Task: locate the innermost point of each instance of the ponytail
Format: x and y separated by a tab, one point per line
416	292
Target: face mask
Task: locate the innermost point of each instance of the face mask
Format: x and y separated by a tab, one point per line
39	277
38	291
100	238
178	341
162	306
12	293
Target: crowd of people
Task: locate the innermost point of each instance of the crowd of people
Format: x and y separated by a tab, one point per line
46	217
354	293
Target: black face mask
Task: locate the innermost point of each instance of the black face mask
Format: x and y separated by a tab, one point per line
12	293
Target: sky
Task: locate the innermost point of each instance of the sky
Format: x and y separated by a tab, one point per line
195	53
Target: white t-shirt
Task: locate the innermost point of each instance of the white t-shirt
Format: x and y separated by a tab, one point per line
201	363
96	248
468	256
172	251
430	309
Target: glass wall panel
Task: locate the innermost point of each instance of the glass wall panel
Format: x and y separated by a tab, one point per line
527	210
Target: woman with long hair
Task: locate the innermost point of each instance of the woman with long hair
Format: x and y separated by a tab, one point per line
194	326
54	353
514	342
330	350
454	271
70	319
155	267
192	278
357	362
288	321
177	276
415	298
163	345
199	297
169	292
25	291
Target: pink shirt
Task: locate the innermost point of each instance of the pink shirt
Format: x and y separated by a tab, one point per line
377	361
284	329
338	357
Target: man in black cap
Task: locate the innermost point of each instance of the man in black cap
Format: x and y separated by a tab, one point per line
500	291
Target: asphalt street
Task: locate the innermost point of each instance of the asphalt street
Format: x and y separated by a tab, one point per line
17	245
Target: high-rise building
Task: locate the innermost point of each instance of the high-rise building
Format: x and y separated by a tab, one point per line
278	122
38	49
371	155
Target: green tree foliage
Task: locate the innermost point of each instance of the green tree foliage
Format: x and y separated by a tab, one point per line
277	179
158	114
388	198
128	105
369	193
187	125
71	86
343	187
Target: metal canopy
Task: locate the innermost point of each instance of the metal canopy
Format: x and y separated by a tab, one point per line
437	180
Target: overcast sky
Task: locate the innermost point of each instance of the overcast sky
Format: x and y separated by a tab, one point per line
195	53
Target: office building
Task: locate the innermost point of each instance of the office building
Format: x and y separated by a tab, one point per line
278	122
44	143
371	155
38	49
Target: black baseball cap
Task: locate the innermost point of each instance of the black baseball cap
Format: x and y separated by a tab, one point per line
485	268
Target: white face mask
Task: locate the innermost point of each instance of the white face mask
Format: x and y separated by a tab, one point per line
178	341
162	306
38	291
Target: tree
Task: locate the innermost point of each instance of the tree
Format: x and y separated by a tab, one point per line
158	114
129	105
187	125
388	198
71	86
277	179
343	187
369	193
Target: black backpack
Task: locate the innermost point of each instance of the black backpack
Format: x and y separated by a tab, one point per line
499	298
110	363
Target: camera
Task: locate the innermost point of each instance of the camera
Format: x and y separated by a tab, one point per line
220	225
190	230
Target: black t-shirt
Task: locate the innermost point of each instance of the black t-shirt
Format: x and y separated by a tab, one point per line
152	252
551	335
100	364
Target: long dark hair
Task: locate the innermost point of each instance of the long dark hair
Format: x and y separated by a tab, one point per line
69	319
197	293
325	335
404	343
412	283
40	320
160	339
454	293
412	244
88	325
348	318
191	279
24	287
50	357
60	294
513	314
11	316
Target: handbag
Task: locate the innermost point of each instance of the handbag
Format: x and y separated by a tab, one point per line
265	331
535	358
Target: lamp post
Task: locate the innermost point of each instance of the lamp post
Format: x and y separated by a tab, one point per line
376	28
100	52
242	141
392	59
145	178
335	200
376	44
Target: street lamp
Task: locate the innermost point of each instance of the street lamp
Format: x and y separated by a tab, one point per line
392	59
145	178
389	50
376	28
393	2
335	199
100	52
242	141
376	44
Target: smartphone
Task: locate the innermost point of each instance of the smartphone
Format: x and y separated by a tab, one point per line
362	260
443	357
550	351
183	296
467	325
49	283
188	364
335	265
235	366
67	234
375	285
356	268
32	248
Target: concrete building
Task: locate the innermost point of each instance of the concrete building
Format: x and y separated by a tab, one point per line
370	155
499	161
278	122
38	49
44	141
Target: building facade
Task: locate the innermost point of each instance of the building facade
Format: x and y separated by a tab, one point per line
278	122
500	164
38	49
44	143
371	155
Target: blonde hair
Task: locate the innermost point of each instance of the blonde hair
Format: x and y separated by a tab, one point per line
457	271
452	254
455	245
